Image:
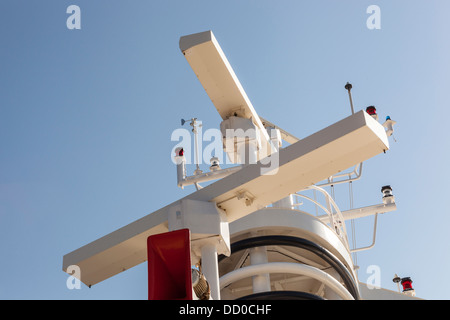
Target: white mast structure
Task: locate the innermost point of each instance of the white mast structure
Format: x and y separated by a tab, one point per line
245	231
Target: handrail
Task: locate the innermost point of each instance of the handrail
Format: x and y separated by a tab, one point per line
344	273
286	267
336	219
373	240
357	177
316	203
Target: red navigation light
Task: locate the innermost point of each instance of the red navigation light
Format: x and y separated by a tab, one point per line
371	110
407	284
179	152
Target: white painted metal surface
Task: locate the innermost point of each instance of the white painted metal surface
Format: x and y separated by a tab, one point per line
219	80
284	222
312	159
363	212
235	207
261	282
210	269
207	224
306	162
278	221
370	292
288	268
286	136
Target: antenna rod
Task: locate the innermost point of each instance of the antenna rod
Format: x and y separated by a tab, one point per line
194	125
348	86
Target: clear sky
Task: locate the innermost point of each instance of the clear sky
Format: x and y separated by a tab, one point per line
86	118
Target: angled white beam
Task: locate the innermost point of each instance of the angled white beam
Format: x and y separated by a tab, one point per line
304	163
209	63
362	212
286	136
310	160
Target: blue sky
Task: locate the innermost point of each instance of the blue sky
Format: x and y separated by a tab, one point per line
86	118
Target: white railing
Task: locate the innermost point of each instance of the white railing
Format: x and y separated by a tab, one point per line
336	219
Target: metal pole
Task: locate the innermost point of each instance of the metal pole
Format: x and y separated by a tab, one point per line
210	268
261	282
348	86
194	129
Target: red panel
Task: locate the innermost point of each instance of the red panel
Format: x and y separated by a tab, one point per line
169	266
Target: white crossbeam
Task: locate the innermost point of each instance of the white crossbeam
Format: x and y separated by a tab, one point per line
306	162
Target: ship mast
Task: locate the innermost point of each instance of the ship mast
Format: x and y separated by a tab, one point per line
246	235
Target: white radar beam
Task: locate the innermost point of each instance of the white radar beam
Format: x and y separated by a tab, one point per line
304	163
211	66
